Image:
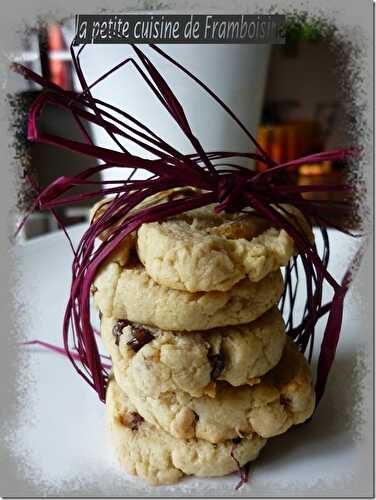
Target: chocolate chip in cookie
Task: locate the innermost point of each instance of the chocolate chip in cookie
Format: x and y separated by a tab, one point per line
118	329
134	420
141	337
218	363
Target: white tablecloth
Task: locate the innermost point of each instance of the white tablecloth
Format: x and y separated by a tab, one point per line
61	437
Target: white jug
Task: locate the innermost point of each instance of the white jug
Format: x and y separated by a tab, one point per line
236	73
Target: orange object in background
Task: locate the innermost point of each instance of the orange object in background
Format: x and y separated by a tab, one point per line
289	141
278	146
334	177
60	70
272	140
316	168
292	140
263	140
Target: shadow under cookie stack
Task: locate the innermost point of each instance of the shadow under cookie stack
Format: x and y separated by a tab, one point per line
203	371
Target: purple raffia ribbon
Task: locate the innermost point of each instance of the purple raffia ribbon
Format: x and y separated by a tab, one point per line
230	187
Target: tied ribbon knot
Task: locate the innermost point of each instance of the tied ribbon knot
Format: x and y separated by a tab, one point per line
230	192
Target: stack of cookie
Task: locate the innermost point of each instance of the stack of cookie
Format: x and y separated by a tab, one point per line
203	370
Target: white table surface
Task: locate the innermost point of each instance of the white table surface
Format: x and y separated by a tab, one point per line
61	439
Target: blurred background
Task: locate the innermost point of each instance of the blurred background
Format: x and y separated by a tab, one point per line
288	95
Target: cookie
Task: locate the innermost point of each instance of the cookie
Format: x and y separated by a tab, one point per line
157	457
161	361
129	293
201	250
99	209
283	398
